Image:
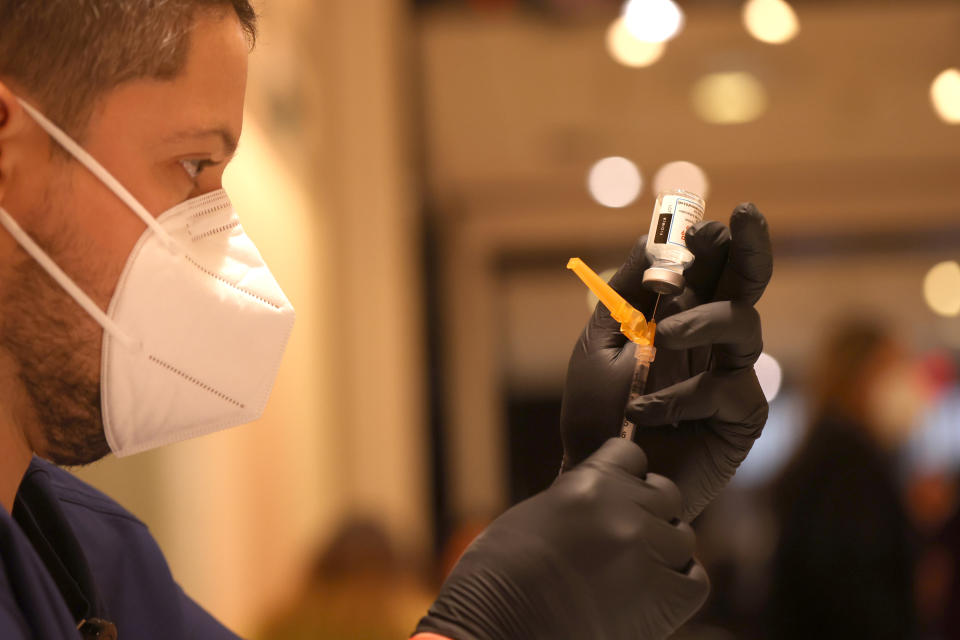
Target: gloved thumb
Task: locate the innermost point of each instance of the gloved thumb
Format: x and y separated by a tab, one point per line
750	257
621	454
603	332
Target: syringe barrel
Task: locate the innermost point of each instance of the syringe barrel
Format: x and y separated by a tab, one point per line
645	355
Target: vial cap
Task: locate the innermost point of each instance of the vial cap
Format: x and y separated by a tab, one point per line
663	281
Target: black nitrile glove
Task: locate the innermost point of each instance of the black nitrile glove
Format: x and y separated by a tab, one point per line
601	554
704	406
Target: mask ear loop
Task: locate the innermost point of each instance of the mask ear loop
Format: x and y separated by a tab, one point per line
100	172
64	281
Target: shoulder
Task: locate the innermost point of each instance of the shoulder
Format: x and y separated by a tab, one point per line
113	540
76	495
128	568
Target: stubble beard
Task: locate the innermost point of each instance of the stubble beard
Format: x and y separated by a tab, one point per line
56	347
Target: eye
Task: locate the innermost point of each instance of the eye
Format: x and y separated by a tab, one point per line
195	167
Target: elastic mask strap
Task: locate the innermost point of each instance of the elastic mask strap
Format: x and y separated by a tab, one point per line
64	280
102	174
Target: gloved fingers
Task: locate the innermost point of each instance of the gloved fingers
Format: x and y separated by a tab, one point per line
750	257
670	305
671	404
672	544
722	397
733	327
709	242
603	332
707	324
621	454
628	280
659	496
697	583
688	589
595	391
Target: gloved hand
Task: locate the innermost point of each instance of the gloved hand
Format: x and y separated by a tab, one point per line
599	555
704	406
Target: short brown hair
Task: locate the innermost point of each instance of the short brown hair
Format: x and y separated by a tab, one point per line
68	53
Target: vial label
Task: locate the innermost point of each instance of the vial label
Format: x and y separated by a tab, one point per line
677	214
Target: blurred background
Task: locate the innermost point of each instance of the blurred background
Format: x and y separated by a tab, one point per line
418	173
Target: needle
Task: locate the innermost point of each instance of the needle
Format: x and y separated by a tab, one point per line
653	316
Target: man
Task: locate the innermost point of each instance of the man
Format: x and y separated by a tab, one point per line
135	312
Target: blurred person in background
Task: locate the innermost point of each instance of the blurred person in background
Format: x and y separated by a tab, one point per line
136	313
359	566
845	560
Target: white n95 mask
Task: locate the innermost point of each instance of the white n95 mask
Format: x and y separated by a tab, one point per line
197	325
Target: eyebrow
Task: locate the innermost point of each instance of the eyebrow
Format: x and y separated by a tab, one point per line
226	138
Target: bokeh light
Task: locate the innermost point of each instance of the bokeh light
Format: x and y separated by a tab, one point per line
729	97
945	94
615	182
653	20
769	374
941	288
629	50
682	175
770	21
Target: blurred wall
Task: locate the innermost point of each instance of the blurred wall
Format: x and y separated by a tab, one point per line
850	163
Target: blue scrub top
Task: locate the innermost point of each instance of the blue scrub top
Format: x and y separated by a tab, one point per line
69	553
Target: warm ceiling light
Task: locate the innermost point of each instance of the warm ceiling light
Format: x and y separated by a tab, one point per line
682	175
653	20
770	21
945	94
941	288
731	97
614	182
628	50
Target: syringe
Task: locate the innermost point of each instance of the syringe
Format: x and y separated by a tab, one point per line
632	324
645	354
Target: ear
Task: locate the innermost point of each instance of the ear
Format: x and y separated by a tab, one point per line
13	126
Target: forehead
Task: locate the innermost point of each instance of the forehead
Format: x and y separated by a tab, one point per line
207	94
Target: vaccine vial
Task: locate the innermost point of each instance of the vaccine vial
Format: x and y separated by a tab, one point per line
673	215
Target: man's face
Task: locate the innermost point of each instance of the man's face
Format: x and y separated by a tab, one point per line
151	135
